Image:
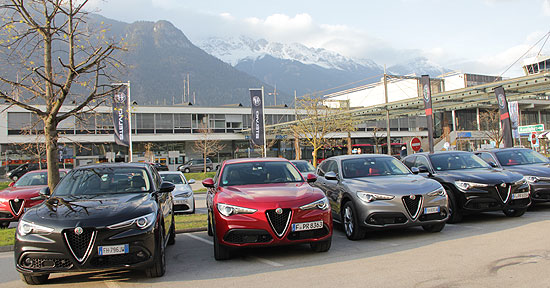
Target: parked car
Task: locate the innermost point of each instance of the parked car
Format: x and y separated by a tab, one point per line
20	170
373	191
160	166
22	195
196	165
304	166
264	202
472	185
99	217
531	164
184	199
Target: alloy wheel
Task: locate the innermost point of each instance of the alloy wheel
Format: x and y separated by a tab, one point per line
348	220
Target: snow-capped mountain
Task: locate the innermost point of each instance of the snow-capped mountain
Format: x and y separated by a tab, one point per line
418	66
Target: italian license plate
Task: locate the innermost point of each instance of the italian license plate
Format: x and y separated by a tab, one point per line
180	202
113	250
431	210
307	226
520	195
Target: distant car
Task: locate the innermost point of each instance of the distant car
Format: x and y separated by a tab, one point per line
196	165
472	185
304	166
99	217
265	202
531	164
373	191
22	195
20	170
160	166
184	200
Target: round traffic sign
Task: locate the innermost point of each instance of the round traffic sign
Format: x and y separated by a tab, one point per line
416	144
533	138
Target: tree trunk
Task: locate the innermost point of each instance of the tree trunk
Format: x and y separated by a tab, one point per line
349	143
315	156
52	155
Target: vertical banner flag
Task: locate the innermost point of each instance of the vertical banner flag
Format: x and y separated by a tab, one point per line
504	118
257	98
427	97
121	115
513	109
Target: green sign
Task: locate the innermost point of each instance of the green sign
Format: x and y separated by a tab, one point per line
531	128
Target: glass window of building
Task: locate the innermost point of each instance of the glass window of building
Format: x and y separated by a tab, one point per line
164	123
145	123
529	117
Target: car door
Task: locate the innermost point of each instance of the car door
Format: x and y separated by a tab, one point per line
165	203
333	187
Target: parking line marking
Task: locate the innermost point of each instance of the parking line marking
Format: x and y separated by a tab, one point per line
111	284
265	261
199	238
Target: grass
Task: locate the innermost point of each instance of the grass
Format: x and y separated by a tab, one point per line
7	236
200	191
4	185
199	176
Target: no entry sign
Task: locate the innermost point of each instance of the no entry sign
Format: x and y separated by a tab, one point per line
416	144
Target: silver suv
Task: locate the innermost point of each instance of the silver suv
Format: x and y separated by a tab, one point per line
196	165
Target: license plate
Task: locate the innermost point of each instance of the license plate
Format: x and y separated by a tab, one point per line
520	195
431	210
179	202
307	226
113	250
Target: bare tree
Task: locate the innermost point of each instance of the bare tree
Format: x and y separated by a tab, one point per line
149	153
378	136
490	125
58	58
206	145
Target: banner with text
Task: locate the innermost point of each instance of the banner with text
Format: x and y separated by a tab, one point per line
513	109
504	118
121	115
257	98
427	97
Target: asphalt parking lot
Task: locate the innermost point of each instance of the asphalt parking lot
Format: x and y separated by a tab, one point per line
486	250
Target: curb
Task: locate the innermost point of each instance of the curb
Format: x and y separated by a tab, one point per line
190	230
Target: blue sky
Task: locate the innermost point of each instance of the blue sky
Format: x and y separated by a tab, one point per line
476	36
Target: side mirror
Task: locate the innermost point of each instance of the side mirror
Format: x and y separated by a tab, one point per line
11	184
493	164
45	192
415	170
166	187
423	169
311	178
331	176
208	183
192	181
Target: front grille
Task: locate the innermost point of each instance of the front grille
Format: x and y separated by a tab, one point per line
181	207
279	222
384	218
433	216
241	236
309	234
16	206
5	215
119	260
482	204
80	245
520	202
413	205
503	192
46	263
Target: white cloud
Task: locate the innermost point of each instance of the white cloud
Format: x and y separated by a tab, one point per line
546	7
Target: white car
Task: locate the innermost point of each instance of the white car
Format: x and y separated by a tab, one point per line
184	199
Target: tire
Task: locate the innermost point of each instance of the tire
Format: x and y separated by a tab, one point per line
172	235
159	266
4	225
207	169
351	223
321	246
514	212
209	229
221	252
434	228
34	279
186	170
455	215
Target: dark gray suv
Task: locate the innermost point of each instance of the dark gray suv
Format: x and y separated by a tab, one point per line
196	165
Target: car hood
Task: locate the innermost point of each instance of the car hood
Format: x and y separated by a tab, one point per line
24	192
393	185
541	170
93	211
482	175
269	193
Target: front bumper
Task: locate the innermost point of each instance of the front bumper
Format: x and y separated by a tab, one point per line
184	204
540	191
494	198
11	211
37	254
243	230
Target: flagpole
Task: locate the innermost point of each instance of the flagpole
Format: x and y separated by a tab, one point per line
131	152
263	118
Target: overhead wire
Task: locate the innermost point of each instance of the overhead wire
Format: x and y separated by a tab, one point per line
523	55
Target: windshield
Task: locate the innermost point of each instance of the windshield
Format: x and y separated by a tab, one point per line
174	178
35	179
304	167
259	173
103	180
457	161
520	157
373	166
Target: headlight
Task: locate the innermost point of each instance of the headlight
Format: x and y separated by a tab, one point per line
521	181
228	210
142	222
369	197
184	194
469	185
321	204
25	228
531	179
438	192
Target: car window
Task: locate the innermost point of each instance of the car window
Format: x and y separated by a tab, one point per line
520	157
456	161
373	166
332	167
409	161
421	161
103	180
33	179
264	172
304	167
173	177
487	157
322	168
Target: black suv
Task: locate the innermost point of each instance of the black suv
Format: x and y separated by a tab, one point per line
20	170
99	217
472	185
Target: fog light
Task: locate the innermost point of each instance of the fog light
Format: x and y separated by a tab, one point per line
140	254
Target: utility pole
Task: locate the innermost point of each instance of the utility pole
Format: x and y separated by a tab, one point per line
274	95
388	138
